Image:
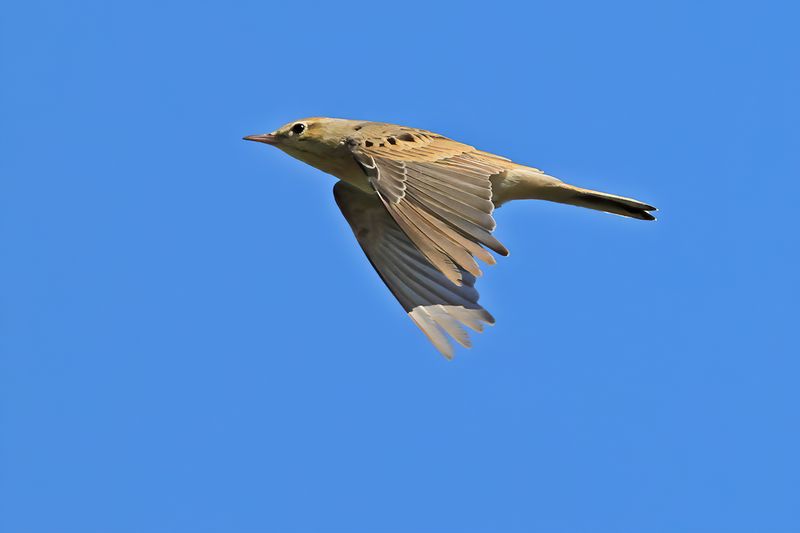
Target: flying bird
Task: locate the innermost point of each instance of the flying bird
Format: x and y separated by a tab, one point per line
420	206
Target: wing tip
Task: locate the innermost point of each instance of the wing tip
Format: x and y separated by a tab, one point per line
441	322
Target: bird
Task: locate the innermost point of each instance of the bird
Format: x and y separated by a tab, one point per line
421	208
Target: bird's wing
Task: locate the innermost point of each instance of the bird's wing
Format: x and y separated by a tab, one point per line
435	304
437	190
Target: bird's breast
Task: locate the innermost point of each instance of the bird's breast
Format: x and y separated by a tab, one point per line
340	164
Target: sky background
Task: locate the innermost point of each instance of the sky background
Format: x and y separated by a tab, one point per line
192	341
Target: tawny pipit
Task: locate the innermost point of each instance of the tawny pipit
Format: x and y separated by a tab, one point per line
421	207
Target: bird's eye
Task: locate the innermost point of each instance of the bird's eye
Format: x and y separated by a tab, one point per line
298	128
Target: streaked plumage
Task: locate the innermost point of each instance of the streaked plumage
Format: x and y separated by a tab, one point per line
421	207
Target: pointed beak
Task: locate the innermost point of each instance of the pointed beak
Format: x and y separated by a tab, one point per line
266	138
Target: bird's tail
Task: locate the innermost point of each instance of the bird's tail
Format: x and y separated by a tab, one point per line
524	183
610	203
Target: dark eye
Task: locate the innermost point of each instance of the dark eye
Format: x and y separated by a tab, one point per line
298	128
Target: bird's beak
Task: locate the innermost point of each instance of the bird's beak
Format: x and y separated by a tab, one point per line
266	138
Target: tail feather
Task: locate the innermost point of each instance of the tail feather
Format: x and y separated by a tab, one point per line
522	183
611	203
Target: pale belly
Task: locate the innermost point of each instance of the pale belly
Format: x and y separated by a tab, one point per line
342	166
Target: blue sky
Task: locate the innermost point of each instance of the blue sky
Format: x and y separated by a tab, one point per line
192	341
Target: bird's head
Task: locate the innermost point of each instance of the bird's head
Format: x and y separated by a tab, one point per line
309	137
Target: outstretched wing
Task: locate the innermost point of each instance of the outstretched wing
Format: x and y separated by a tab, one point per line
432	301
437	190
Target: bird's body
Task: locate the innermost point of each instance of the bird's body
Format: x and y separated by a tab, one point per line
421	207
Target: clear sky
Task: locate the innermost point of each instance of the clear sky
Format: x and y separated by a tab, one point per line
192	341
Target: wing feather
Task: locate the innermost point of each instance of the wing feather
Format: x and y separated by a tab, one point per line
435	304
438	191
